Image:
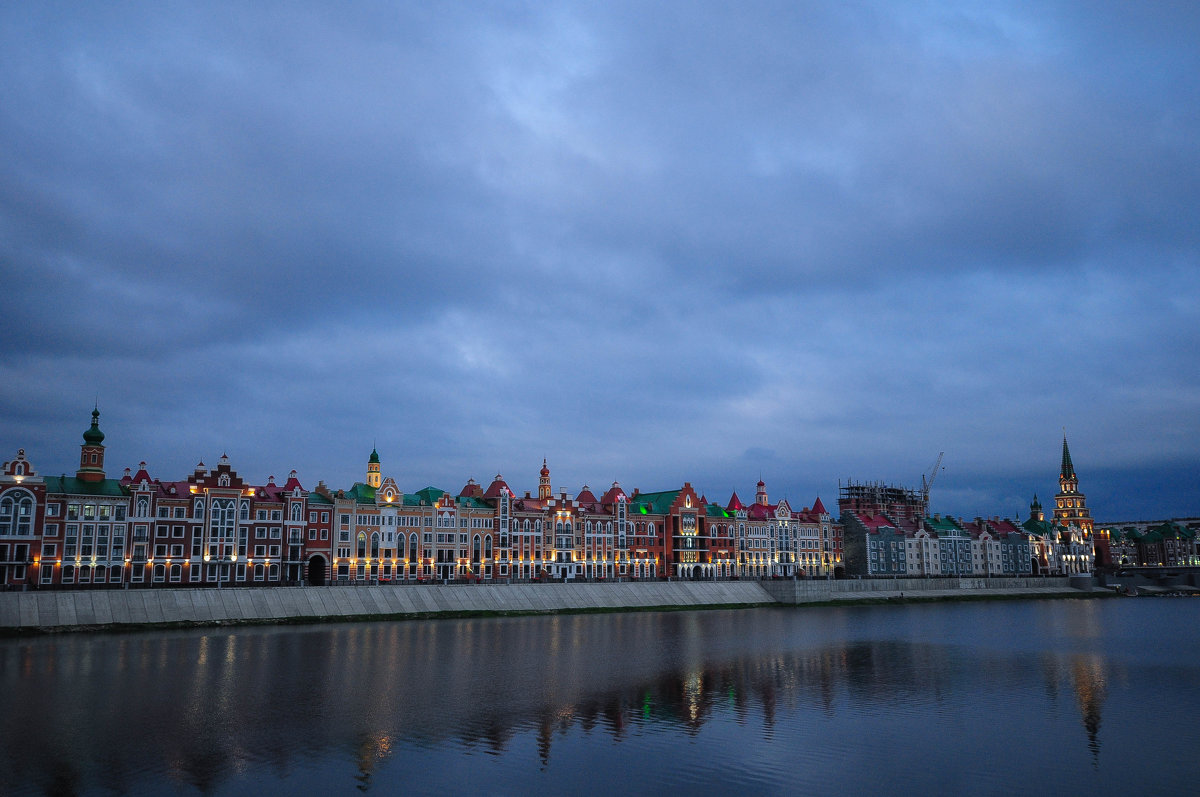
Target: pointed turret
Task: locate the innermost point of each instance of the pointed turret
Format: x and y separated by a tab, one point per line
1070	505
1068	467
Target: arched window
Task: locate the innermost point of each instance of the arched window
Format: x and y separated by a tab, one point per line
198	508
362	545
650	529
475	549
244	512
143	506
296	512
8	508
412	548
487	547
375	545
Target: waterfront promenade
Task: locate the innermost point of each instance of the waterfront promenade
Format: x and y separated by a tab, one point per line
116	609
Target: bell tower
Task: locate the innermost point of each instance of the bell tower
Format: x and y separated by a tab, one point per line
91	453
374	478
544	490
1070	505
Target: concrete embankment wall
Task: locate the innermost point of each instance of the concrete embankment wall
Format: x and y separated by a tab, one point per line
802	591
60	610
119	608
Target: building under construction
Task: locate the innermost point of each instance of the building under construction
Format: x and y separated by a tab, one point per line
876	498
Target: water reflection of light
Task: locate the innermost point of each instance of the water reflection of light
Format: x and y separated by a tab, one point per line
215	704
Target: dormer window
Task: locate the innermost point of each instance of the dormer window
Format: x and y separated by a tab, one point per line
223	480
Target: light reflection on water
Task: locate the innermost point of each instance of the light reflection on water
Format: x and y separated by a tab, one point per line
934	699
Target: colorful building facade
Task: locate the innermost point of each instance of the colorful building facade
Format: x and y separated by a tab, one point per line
214	528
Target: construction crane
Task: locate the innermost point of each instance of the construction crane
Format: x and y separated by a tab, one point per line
927	481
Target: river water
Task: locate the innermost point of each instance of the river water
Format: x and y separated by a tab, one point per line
1027	697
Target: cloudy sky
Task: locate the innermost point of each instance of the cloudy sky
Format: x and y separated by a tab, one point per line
651	242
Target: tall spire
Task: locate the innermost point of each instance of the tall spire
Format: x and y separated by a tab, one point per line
1068	468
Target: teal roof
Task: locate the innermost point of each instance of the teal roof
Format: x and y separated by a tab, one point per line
472	502
317	498
429	495
361	493
374	457
1171	531
716	510
946	525
653	503
93	436
69	485
1042	528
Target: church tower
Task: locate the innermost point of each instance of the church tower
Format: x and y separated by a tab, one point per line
373	476
760	493
1070	505
544	491
1035	509
91	453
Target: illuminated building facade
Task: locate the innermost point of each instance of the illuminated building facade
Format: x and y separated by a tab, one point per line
214	528
888	534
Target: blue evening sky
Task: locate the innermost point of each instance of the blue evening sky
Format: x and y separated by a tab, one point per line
651	242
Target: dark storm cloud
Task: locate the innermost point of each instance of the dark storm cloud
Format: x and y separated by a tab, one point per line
650	242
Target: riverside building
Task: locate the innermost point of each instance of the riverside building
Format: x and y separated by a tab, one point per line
214	528
888	532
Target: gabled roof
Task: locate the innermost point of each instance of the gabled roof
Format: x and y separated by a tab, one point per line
1005	527
473	502
361	493
943	525
761	512
876	523
429	495
654	503
716	510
